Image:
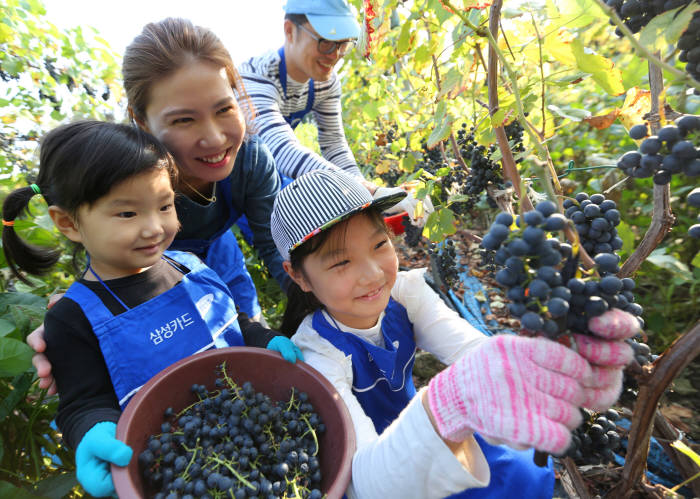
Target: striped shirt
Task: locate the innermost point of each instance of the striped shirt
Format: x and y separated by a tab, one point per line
261	77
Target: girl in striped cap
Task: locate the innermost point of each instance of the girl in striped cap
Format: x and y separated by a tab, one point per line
359	321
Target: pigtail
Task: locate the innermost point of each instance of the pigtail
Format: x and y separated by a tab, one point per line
19	254
299	305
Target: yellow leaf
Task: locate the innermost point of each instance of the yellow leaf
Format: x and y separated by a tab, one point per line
558	46
382	167
687	451
637	104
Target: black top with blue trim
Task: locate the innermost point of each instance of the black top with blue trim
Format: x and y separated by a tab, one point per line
85	388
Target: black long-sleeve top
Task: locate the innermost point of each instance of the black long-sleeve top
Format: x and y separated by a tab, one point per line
86	394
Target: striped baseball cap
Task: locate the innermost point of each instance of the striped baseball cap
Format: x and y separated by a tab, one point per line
317	201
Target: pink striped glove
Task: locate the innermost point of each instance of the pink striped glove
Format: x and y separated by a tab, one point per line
608	354
524	392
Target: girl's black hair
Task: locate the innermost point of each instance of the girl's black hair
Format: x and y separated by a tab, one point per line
79	163
299	302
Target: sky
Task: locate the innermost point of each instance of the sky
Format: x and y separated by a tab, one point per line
247	27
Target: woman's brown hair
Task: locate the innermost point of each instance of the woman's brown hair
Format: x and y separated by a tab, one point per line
164	47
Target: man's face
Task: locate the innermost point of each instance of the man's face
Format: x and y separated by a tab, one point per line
304	60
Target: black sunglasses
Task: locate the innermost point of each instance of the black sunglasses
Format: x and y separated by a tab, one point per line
330	46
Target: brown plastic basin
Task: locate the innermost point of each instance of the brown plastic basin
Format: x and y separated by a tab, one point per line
268	373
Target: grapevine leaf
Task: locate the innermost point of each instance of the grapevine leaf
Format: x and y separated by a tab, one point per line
442	122
57	486
498	118
440	223
665	29
407	163
403	45
670	263
696	260
574	13
570	113
680	446
9	490
602	69
15	357
20	386
637	104
634	70
6	327
558	46
626	234
603	121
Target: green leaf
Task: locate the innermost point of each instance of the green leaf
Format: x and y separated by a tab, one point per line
498	118
669	262
403	44
442	122
20	387
634	69
57	486
573	13
696	260
440	223
9	490
6	327
571	113
407	163
15	357
371	110
627	236
665	29
602	69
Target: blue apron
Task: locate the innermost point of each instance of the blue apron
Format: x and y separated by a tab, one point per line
382	381
195	315
222	254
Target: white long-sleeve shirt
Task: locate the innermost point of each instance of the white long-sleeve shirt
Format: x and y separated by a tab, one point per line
261	78
409	459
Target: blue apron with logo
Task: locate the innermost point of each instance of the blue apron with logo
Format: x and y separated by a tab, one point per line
383	384
195	315
222	254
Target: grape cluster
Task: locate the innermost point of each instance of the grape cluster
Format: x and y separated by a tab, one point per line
689	46
235	442
445	262
671	151
483	171
638	13
595	219
596	440
514	133
412	234
694	200
542	275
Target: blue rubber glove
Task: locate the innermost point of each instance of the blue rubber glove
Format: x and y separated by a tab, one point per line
284	345
98	448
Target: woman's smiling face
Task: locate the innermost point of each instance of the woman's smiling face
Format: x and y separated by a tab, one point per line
194	112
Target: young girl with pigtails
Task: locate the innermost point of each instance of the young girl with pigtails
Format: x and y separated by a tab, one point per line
359	321
136	308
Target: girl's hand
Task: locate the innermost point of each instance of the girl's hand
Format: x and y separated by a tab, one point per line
608	354
41	363
516	390
290	352
96	451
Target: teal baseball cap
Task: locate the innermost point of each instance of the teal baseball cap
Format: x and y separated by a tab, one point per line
332	19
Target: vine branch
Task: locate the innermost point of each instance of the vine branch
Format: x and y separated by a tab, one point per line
652	384
662	218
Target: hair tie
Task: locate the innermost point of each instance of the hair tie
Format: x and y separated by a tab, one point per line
35	188
8	223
